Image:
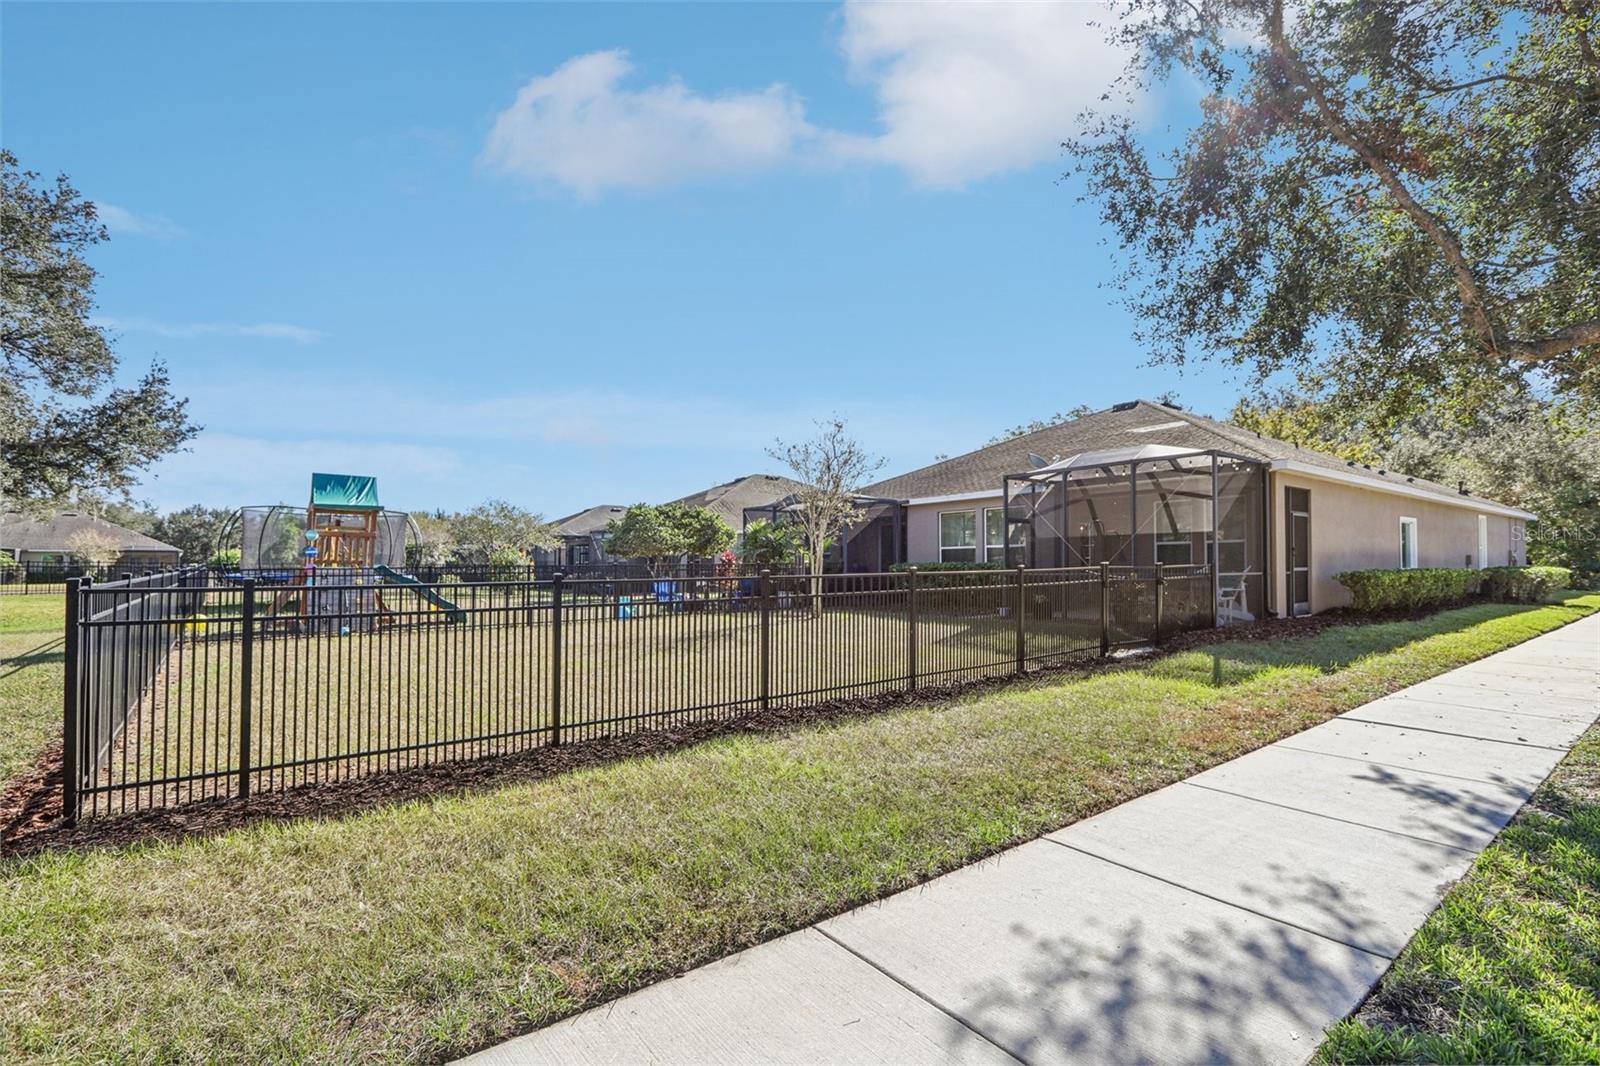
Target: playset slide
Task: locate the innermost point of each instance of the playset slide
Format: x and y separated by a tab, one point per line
395	577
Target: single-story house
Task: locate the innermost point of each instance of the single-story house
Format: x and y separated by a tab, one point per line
733	498
583	535
45	542
1143	483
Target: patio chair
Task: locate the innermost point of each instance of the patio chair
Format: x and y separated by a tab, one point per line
1233	602
668	592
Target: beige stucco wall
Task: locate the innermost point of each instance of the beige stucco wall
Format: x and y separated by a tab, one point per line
922	526
1358	529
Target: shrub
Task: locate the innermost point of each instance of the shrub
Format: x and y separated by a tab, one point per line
945	575
1524	584
931	568
227	557
1414	590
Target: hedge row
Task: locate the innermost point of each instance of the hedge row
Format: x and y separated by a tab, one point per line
1412	590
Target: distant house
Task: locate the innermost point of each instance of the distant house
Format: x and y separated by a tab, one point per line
583	535
43	542
733	498
1143	483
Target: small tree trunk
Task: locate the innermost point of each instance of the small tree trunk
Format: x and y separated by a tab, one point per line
816	585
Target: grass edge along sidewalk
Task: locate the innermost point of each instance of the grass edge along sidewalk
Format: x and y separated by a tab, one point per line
430	928
1508	968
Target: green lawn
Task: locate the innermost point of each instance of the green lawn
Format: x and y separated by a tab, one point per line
1508	968
426	929
30	677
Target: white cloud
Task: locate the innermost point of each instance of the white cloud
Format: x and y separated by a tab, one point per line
266	330
968	90
578	127
119	220
965	91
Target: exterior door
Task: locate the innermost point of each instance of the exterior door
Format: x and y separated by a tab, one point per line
1297	554
1483	541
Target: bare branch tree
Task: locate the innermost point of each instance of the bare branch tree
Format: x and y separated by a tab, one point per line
831	467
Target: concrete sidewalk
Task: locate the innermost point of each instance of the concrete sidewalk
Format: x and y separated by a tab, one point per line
1230	917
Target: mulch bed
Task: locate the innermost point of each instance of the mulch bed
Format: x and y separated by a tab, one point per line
30	805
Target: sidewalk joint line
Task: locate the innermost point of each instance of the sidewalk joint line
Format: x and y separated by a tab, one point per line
1225	902
1394	765
1448	733
1465	707
1335	818
1587	701
929	1000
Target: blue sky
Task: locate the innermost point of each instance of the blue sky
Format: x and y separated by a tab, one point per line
579	254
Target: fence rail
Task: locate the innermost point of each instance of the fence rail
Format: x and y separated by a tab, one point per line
186	686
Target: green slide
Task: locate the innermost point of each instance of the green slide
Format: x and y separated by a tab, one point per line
395	577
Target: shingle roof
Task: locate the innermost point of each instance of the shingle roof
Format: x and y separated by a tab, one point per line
731	498
589	520
1123	426
54	534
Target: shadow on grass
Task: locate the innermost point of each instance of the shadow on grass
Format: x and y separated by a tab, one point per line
54	651
1348	640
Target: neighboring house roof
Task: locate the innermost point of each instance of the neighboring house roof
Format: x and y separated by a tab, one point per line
20	532
1141	424
589	521
731	498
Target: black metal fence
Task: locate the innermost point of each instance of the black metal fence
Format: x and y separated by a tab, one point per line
182	687
36	577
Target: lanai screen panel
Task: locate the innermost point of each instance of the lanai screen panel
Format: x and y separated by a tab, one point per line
1241	555
1175	517
1100	516
1035	518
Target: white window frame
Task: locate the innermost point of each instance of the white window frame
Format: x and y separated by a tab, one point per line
1416	544
1483	541
975	547
1171	539
996	552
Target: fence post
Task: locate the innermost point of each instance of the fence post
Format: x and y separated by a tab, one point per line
69	710
911	628
1105	608
1161	596
556	581
764	604
247	661
1021	607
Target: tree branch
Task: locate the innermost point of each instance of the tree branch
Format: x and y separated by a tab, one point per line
1468	287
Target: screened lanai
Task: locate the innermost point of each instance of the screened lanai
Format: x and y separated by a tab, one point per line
1147	505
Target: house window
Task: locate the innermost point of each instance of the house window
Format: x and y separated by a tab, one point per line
1408	543
994	534
1174	549
958	536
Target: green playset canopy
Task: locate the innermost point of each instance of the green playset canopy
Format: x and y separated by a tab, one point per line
345	492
